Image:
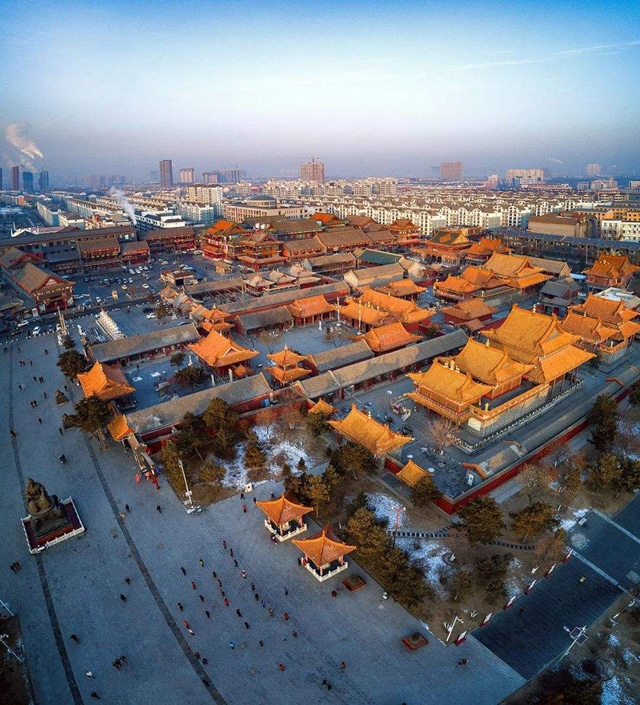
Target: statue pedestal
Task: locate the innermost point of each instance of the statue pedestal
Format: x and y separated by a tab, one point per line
52	532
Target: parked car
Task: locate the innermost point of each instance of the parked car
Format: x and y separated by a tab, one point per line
22	324
151	315
36	331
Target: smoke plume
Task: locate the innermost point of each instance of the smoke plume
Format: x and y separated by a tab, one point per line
26	148
124	204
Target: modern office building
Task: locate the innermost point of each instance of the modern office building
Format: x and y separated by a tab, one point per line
187	176
312	171
15	178
450	171
43	181
166	173
154	176
27	181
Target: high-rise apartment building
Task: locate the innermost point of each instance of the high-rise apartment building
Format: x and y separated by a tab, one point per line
27	182
593	170
450	171
524	177
209	177
43	181
15	178
312	171
187	176
166	173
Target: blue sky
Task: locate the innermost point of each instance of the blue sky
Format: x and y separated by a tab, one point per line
368	87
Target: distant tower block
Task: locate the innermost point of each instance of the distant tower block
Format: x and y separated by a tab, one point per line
451	171
593	170
166	173
312	171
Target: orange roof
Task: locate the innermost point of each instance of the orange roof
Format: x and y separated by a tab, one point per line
322	407
611	266
389	337
412	473
226	227
323	548
589	329
609	310
450	383
451	238
377	438
403	287
286	375
527	335
119	428
381	304
282	510
488	365
105	381
559	363
516	270
218	351
286	358
364	314
469	309
312	306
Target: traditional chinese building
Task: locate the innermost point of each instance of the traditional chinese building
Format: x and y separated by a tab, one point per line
374	309
223	240
412	473
259	249
604	326
393	336
402	289
447	246
610	270
324	554
377	438
284	517
311	310
405	232
287	366
107	382
522	366
223	355
480	252
466	312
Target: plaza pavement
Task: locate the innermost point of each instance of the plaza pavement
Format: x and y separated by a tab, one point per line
74	588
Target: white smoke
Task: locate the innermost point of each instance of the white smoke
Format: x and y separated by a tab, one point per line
556	161
124	204
16	136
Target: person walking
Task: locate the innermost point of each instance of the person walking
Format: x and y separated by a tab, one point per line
343	665
224	545
202	562
261	643
127	581
193	585
281	666
463	662
39	420
180	606
226	601
123	598
60	431
232	646
184	570
286	617
13	433
208	614
239	613
90	675
128	508
159	509
246	625
244	574
294	634
95	695
201	598
244	508
75	638
286	592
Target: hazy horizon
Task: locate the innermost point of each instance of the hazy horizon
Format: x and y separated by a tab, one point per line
368	88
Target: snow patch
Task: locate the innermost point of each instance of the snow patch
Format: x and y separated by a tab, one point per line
612	693
570	521
430	556
384	507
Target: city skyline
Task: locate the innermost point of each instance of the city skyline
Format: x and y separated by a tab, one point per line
369	89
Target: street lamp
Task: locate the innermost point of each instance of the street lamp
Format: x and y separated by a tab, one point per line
398	510
188	492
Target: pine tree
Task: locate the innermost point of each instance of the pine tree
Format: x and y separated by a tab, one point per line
533	519
604	420
425	492
93	414
71	363
481	520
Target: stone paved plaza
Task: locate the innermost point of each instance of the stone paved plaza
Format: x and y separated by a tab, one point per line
75	587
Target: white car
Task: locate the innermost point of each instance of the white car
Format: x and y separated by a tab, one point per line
22	324
36	331
145	286
151	315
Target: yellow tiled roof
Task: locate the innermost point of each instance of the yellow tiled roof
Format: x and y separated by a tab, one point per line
107	382
589	329
286	357
608	310
218	351
488	365
559	363
322	407
450	383
282	509
469	309
313	306
377	438
323	548
412	473
389	337
118	428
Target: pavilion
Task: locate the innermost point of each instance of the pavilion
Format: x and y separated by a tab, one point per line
287	366
324	554
223	354
107	382
389	337
284	517
377	438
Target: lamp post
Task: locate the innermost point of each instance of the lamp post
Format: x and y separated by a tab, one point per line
188	492
398	510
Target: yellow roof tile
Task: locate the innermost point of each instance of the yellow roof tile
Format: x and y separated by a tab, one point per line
323	548
377	438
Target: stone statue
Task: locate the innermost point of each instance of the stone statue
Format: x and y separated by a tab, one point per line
45	510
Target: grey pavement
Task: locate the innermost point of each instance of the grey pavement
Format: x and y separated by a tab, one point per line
74	588
607	556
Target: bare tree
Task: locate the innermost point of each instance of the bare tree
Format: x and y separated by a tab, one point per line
441	432
536	479
627	439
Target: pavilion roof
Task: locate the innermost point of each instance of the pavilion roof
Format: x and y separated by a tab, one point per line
488	365
559	363
324	547
218	351
322	407
389	337
402	287
590	329
286	358
412	473
107	382
450	383
377	438
611	266
284	375
283	509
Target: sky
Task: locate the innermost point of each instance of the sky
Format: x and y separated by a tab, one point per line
369	88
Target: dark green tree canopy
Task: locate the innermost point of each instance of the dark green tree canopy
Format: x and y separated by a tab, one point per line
481	520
